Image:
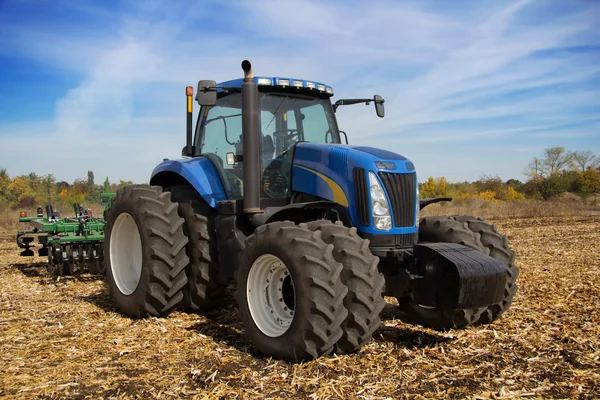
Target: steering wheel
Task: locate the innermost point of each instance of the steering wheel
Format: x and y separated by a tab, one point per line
290	133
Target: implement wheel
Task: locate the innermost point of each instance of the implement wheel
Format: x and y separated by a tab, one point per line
145	256
479	235
361	275
290	293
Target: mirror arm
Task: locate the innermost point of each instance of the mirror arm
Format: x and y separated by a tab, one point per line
348	102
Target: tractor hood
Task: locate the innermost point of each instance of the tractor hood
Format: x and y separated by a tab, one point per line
340	173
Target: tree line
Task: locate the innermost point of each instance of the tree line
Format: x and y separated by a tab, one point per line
555	172
30	190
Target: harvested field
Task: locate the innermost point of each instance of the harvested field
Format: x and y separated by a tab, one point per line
65	340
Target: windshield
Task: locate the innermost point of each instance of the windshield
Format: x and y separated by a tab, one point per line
285	120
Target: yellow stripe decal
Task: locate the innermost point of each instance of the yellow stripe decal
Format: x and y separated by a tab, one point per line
189	103
338	193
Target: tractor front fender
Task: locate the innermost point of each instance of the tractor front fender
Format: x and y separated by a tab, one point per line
199	172
303	212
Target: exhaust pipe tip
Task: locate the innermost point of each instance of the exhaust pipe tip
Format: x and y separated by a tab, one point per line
248	73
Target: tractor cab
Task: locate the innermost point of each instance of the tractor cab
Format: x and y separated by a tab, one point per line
291	111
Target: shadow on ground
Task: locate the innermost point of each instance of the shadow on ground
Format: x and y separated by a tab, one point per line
224	325
101	300
31	269
39	270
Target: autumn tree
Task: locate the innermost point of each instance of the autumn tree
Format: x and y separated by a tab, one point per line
441	187
556	159
535	168
427	189
588	182
582	160
553	160
4	182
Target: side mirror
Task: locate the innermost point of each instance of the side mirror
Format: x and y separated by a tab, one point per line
379	109
207	93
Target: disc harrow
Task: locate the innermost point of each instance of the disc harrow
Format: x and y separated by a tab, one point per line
71	245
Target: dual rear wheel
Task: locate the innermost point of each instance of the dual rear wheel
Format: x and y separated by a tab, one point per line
161	252
308	290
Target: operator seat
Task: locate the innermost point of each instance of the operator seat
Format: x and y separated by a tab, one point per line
268	147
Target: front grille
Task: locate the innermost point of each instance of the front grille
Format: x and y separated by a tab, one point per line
361	193
402	192
402	240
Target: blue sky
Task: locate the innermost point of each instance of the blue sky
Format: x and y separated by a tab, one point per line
471	87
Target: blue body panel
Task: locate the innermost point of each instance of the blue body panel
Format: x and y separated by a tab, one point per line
337	162
200	173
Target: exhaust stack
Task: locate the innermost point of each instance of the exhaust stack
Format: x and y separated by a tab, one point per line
251	138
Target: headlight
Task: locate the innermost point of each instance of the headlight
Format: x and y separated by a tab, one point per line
379	205
418	206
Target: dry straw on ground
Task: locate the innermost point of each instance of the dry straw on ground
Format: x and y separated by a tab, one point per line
65	340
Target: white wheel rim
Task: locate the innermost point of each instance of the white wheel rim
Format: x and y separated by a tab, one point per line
271	295
126	253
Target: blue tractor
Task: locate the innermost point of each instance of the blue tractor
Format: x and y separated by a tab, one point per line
314	232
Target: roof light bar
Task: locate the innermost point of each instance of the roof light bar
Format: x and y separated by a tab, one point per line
265	81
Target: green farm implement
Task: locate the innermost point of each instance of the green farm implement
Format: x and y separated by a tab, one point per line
72	244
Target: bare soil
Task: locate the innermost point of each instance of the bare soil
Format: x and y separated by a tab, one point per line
66	340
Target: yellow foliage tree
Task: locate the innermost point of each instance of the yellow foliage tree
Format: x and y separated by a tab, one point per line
512	194
441	187
588	182
17	188
428	188
489	195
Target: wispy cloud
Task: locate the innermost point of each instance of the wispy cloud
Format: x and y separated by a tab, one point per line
483	76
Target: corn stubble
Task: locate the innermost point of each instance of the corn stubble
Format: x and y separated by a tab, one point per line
65	339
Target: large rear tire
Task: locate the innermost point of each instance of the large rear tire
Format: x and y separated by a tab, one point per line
145	256
290	294
481	236
365	283
203	289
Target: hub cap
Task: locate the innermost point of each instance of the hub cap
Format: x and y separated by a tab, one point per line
126	253
271	295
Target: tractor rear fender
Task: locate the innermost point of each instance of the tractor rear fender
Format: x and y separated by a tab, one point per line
199	172
232	229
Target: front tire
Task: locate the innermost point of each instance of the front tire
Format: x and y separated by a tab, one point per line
361	275
290	293
145	256
480	236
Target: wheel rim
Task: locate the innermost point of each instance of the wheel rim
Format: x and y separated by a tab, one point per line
126	254
271	295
